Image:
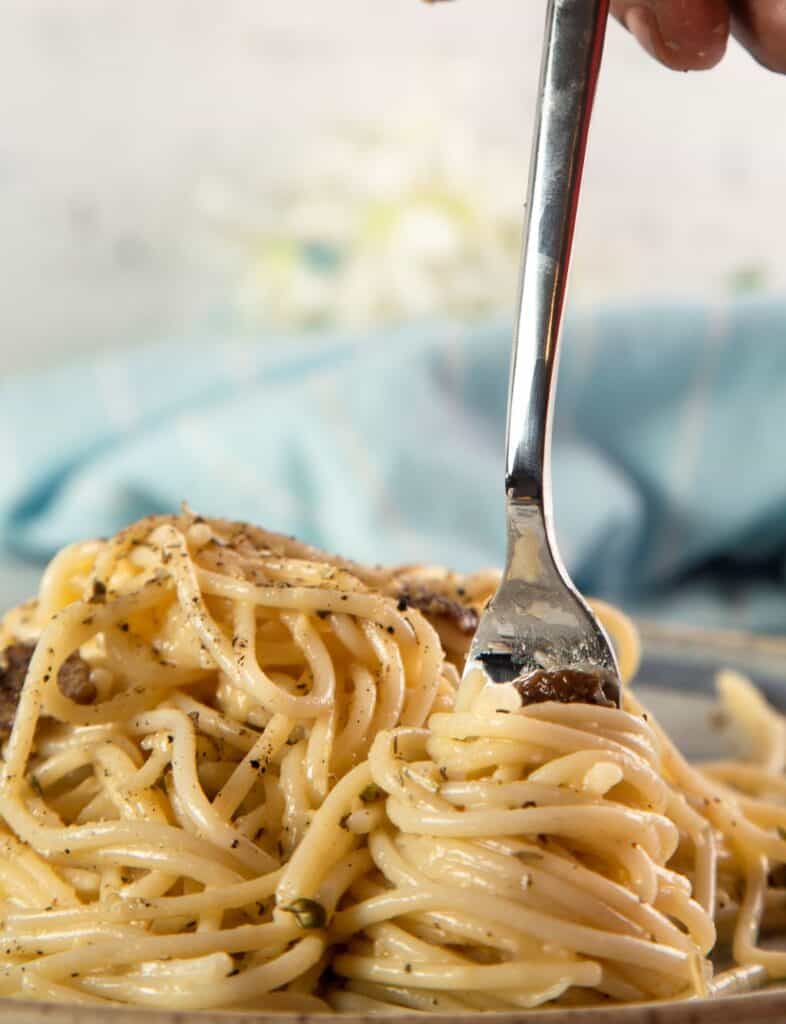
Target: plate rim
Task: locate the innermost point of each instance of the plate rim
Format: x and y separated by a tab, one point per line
750	1008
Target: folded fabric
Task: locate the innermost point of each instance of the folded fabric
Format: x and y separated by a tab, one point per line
670	489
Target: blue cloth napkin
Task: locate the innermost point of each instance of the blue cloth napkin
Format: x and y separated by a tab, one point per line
670	482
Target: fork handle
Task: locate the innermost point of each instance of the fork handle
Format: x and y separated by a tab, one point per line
573	46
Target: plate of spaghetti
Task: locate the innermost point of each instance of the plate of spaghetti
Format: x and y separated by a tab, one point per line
240	775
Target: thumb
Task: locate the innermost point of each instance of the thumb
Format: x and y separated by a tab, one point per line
685	36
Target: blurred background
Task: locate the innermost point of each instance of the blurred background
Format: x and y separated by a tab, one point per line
253	253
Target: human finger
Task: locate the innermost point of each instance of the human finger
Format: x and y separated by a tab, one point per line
760	25
685	35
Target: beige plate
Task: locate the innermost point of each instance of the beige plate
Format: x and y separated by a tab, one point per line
677	673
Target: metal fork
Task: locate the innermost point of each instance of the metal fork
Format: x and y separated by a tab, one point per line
538	630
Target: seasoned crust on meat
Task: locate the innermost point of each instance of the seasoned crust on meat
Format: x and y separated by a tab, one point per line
433	603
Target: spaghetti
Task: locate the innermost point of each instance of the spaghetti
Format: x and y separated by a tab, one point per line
271	790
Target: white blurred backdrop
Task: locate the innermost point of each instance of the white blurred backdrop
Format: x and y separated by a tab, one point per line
158	159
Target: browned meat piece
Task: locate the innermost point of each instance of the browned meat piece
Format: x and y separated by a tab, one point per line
431	602
567	686
16	659
73	680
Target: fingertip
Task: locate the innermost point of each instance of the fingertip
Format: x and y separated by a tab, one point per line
772	60
683	49
701	59
643	26
761	28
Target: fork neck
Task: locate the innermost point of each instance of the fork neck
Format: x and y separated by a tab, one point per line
573	46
